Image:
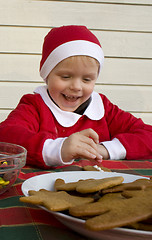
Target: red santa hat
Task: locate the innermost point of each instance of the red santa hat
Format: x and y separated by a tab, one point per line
66	41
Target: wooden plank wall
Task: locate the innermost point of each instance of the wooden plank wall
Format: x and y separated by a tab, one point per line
124	28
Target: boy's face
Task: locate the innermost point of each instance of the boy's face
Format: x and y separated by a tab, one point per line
72	81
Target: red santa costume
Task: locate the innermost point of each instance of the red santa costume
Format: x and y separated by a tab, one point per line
41	126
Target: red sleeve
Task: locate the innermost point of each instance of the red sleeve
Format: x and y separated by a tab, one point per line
23	127
134	135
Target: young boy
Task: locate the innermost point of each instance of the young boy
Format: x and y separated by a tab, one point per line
66	119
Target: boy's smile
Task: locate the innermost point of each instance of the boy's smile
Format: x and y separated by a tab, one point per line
70	98
72	81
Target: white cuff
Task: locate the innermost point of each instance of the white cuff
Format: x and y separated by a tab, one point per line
116	149
52	152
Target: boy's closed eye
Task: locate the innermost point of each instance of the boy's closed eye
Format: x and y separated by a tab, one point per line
65	76
87	79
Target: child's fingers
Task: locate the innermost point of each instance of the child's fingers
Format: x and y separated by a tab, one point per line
86	153
87	140
90	133
91	147
81	144
88	148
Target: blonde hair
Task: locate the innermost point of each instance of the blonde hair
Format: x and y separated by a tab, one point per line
83	58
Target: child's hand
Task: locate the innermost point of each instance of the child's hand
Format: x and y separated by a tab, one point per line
103	151
82	144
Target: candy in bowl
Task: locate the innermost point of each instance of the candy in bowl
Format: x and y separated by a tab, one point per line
12	159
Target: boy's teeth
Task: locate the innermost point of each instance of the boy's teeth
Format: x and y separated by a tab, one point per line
70	97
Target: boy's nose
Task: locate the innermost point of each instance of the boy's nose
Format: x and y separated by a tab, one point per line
76	84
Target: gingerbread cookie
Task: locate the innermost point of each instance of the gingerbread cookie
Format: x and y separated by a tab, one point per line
95	208
138	184
88	185
143	225
54	201
119	208
96	168
60	185
123	211
94	185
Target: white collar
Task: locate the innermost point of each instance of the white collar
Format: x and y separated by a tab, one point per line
95	110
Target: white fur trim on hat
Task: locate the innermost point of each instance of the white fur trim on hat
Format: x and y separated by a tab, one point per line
72	48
